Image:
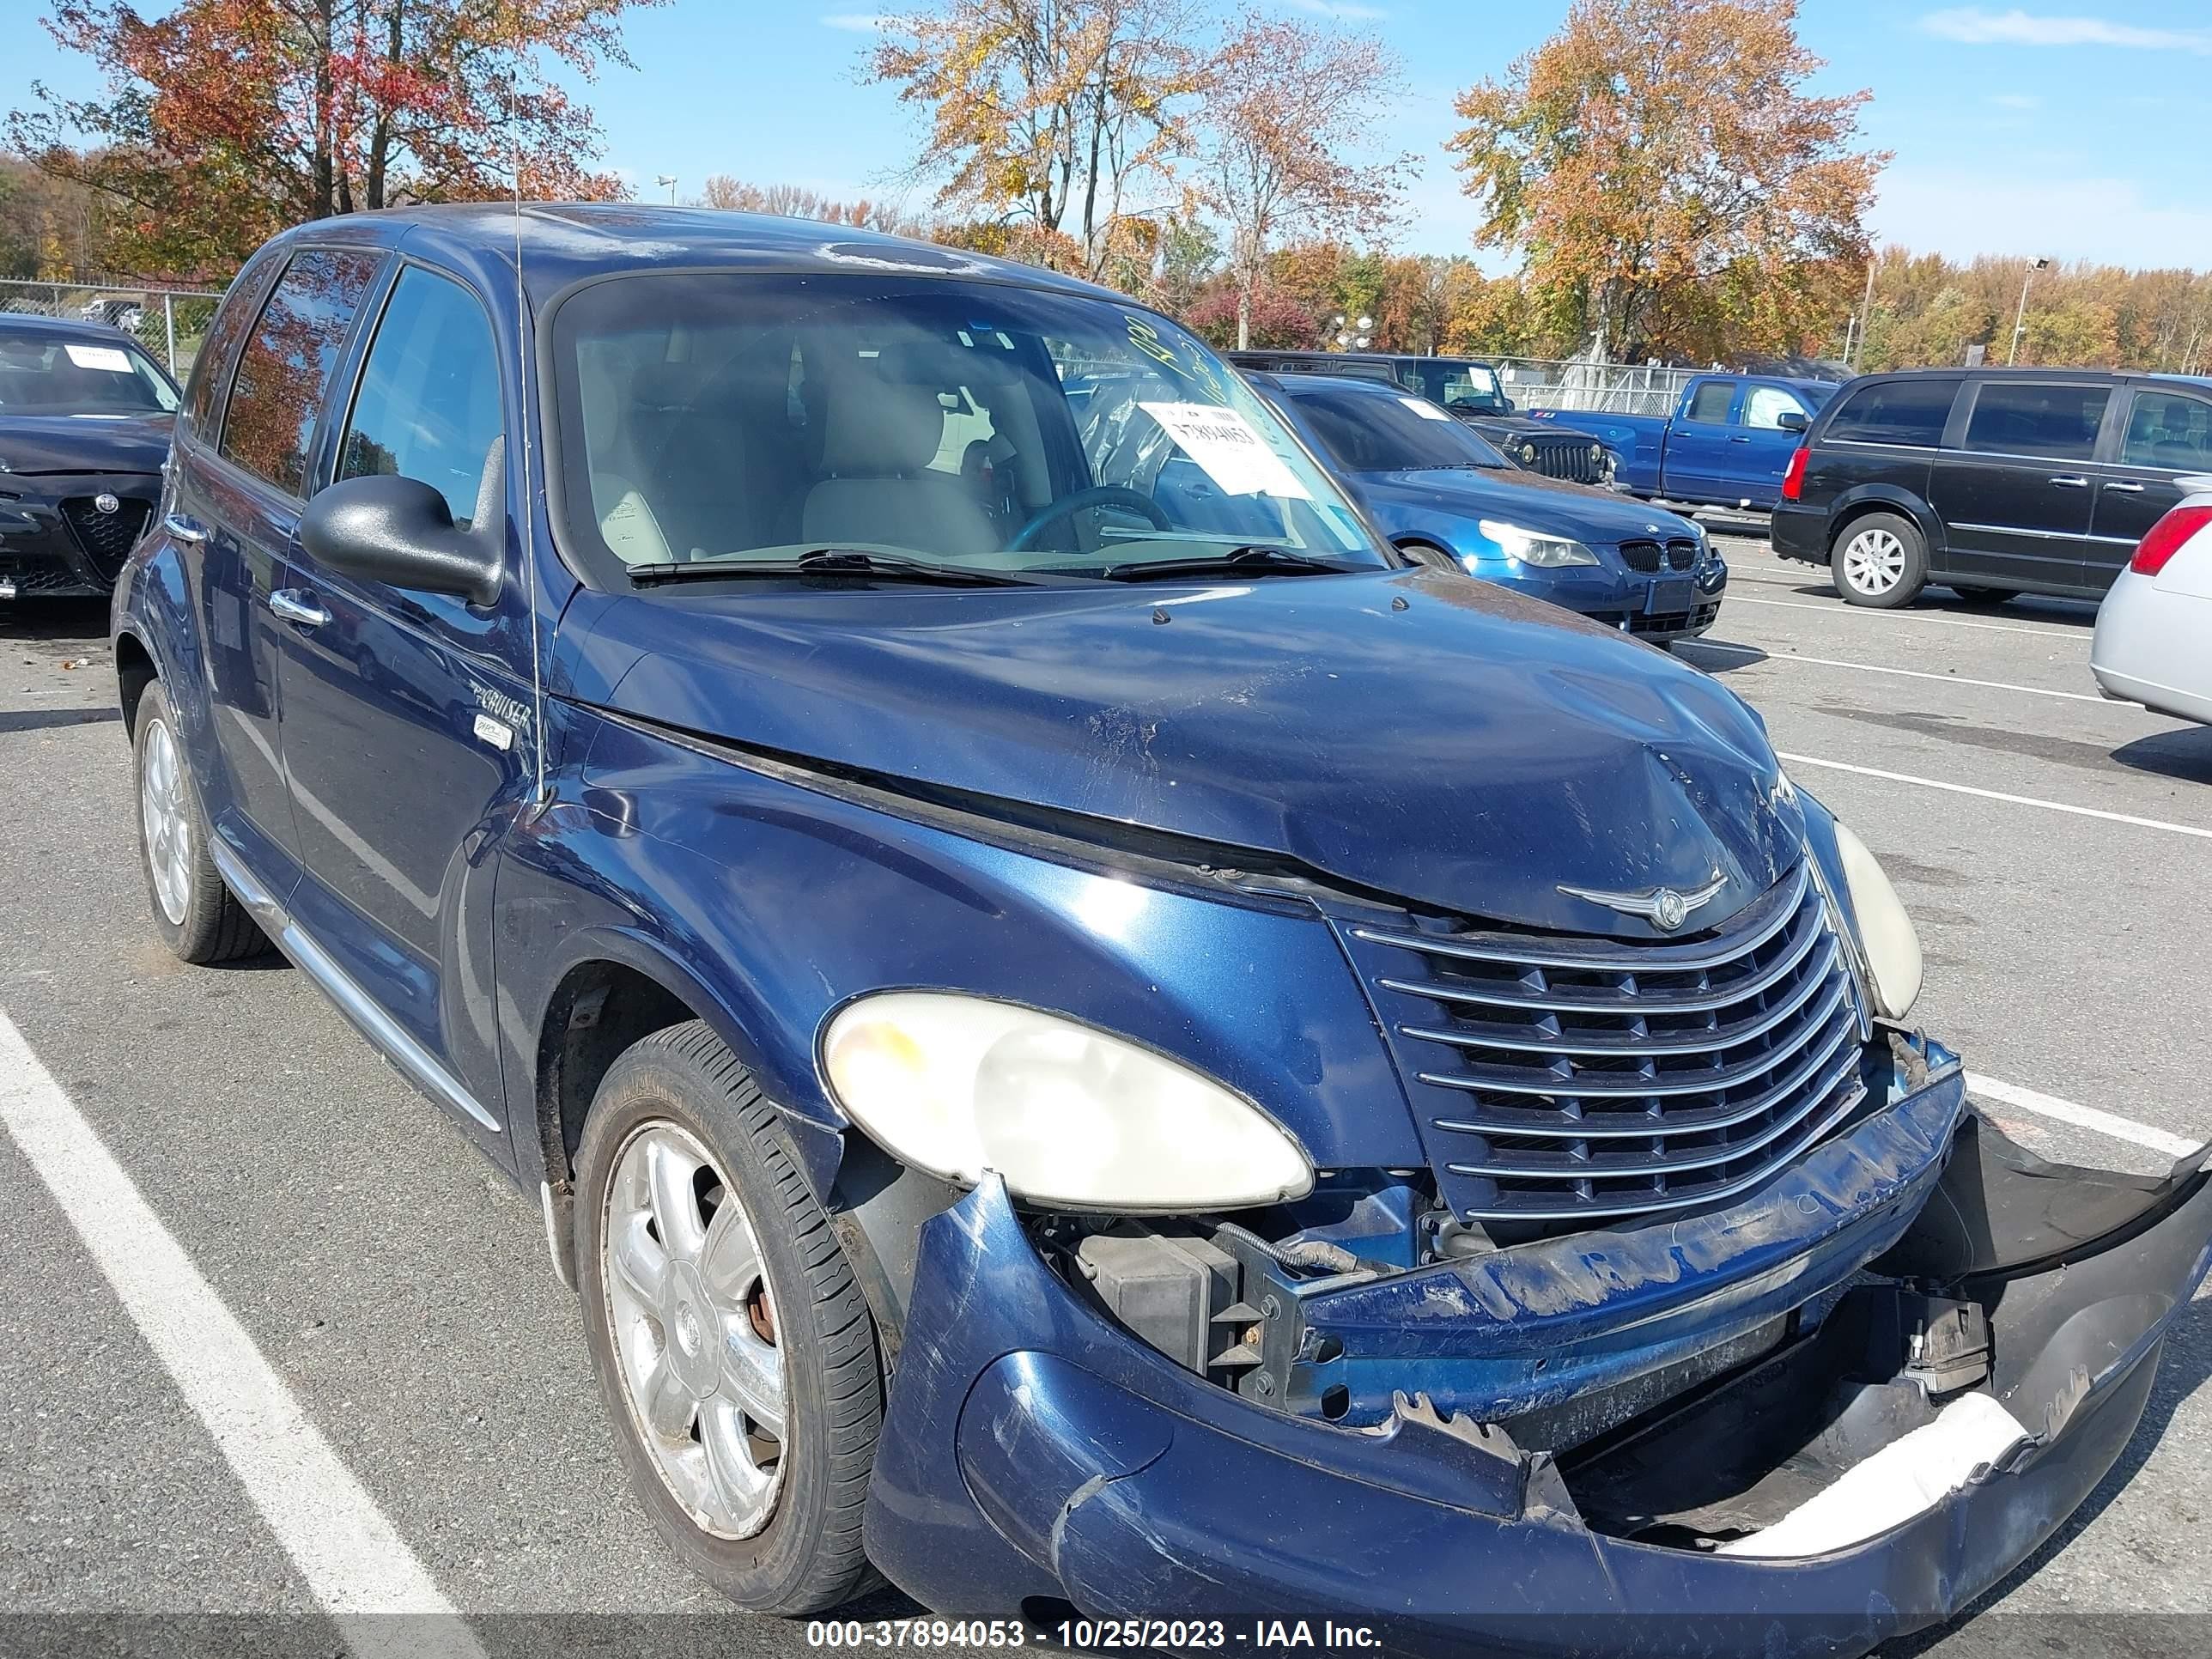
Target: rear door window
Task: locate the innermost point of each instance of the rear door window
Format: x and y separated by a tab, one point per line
428	406
2170	430
1710	403
2058	422
1910	412
284	372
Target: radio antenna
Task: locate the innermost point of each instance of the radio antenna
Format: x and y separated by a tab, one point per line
529	515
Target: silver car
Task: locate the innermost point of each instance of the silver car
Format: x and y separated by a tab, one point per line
2154	642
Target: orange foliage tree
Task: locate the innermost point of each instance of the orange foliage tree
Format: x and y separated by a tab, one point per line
224	121
1289	107
1670	183
1053	120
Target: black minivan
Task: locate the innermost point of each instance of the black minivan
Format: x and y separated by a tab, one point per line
1992	482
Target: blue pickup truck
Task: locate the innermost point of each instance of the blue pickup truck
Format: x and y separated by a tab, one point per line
1728	441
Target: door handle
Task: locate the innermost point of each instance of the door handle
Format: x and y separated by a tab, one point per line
294	606
183	528
1739	440
2122	484
2067	481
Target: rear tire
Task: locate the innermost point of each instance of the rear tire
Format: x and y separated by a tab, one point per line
1985	595
197	915
1880	560
736	1359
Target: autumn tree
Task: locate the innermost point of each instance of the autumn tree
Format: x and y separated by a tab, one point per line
1659	165
1057	118
224	121
1290	110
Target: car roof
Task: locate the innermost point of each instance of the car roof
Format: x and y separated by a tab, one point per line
561	243
2006	373
71	328
1292	379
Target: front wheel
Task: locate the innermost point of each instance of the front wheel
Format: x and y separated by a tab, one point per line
1880	560
735	1354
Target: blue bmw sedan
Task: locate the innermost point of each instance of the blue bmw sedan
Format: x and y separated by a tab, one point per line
1446	498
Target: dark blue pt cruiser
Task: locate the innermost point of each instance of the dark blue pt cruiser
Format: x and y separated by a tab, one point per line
1095	1051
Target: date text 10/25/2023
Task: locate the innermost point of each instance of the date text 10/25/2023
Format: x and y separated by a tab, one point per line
1092	1635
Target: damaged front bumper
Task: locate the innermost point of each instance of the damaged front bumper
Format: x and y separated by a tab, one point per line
1036	1455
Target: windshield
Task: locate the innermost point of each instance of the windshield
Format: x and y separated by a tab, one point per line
1386	431
732	418
46	375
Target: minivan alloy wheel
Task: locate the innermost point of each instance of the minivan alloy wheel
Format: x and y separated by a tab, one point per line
168	826
1873	560
694	1328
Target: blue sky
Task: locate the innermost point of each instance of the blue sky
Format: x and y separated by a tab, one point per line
2071	128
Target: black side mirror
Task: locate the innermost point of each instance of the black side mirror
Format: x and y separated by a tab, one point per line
1506	405
400	532
1791	420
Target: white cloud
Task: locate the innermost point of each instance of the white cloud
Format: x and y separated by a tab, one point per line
1344	13
1971	26
2110	220
856	23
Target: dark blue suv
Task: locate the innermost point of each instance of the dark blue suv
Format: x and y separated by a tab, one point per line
1093	1042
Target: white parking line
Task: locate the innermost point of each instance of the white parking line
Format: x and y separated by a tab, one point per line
1909	673
1837	609
1999	794
356	1565
2082	1117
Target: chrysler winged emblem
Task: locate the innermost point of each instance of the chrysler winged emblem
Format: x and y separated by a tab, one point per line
1664	908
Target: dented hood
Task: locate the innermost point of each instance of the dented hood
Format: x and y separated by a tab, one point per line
84	443
1467	749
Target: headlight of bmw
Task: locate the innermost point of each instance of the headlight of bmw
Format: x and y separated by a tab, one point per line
1068	1115
1534	547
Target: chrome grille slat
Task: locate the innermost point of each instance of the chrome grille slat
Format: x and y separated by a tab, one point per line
1566	1165
1623	1001
1627	1042
1841	1032
1603	1077
1599	956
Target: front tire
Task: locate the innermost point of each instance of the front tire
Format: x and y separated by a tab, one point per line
1880	560
736	1359
197	915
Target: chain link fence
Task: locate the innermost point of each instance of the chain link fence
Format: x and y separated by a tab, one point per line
169	322
1592	388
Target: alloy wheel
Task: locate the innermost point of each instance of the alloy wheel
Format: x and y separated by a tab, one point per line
1874	562
168	827
694	1329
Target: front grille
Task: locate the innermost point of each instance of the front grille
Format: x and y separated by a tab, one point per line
1555	459
1645	557
1558	1076
1674	622
106	538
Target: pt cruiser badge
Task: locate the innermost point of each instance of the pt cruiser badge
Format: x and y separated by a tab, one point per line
1662	907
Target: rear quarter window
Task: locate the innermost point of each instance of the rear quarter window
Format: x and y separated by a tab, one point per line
1908	412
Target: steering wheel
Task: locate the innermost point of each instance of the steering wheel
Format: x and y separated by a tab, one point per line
1096	496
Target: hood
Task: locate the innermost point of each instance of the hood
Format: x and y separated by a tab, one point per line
1468	752
1529	499
1525	426
84	443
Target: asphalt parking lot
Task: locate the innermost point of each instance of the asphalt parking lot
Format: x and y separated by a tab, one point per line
2055	850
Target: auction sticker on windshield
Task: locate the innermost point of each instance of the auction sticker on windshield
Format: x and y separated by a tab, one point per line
1233	454
113	359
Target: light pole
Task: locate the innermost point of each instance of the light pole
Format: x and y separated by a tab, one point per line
669	179
1352	334
2019	318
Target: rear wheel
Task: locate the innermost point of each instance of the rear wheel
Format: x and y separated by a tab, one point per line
1879	560
197	915
736	1359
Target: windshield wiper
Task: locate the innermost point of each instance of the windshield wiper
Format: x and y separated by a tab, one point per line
829	561
1255	560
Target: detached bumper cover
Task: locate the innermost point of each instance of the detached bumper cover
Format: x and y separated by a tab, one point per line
1036	1453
